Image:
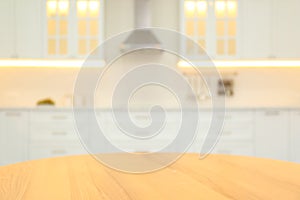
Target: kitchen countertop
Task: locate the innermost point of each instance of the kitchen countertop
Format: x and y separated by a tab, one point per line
215	177
56	108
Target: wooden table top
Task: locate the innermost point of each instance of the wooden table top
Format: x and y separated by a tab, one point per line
215	177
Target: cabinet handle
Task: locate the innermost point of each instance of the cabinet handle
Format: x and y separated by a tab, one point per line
59	117
272	113
59	151
13	114
224	151
141	117
227	133
59	133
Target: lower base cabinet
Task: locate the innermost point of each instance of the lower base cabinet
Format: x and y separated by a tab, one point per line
38	151
272	134
36	134
295	136
13	137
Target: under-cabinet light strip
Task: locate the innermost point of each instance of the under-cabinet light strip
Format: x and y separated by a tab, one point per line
50	63
243	63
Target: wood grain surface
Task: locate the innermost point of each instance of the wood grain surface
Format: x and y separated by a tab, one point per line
215	177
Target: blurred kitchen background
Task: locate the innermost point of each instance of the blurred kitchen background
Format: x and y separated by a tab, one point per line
255	45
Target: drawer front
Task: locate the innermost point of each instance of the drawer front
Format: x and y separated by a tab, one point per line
234	148
239	115
39	151
53	134
54	116
237	134
134	146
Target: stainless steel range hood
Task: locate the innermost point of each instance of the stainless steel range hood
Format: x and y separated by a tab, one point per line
141	37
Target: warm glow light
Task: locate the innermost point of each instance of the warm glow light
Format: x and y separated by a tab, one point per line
232	8
220	6
94	8
63	7
82	8
50	63
231	5
190	8
201	7
244	63
51	8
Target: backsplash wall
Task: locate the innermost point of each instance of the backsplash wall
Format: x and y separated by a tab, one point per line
253	87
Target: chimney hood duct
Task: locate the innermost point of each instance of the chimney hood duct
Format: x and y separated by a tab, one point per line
142	36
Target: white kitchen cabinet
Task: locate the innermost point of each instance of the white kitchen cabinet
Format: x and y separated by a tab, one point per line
134	140
53	133
295	136
21	29
237	136
25	29
270	29
28	26
272	134
14	137
286	29
7	30
256	28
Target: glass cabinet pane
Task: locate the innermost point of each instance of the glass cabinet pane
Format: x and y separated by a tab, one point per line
63	47
201	9
201	28
94	8
82	28
93	44
82	8
189	8
232	28
232	9
94	28
220	47
190	28
51	46
220	9
63	27
82	47
220	26
51	27
51	8
63	7
231	47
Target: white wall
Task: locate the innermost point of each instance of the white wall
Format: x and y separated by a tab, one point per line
253	87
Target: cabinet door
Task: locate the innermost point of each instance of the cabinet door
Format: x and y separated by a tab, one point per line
272	134
256	28
28	28
14	134
7	33
295	136
286	29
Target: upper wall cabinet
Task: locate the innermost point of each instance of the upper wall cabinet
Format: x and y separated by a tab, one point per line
73	28
7	39
213	25
242	29
50	28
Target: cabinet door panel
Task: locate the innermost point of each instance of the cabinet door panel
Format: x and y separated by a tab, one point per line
272	134
14	134
7	31
295	136
286	29
256	28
